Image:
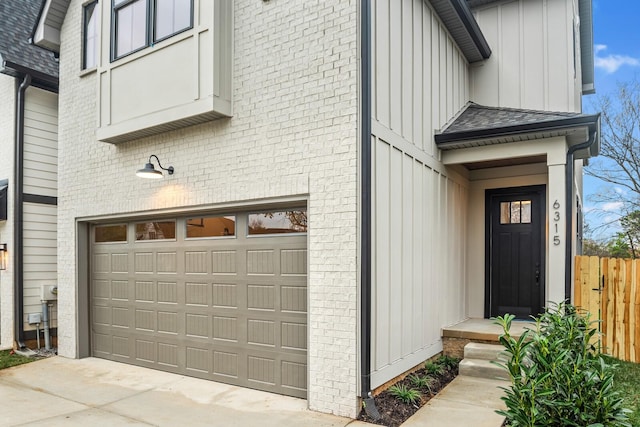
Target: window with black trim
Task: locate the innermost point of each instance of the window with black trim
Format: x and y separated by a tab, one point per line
140	23
90	35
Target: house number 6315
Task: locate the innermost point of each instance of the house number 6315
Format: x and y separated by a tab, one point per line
556	219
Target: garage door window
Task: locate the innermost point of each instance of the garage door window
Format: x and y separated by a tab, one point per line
212	226
157	230
110	233
279	222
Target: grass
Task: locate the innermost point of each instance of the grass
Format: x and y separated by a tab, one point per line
626	381
7	359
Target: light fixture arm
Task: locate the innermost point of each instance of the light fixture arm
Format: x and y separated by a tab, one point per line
169	169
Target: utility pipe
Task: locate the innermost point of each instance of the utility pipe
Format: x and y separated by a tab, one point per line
569	167
45	323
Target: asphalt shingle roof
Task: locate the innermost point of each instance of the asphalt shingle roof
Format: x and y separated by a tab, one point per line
17	20
477	117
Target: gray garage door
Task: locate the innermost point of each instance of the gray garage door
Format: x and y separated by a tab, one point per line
216	297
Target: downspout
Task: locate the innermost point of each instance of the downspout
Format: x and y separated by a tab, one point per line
365	264
18	275
569	170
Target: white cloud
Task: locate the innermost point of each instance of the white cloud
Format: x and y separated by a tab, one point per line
611	63
612	206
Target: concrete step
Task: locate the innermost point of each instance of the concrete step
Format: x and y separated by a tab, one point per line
482	369
482	351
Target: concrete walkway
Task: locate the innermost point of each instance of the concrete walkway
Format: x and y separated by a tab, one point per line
66	392
465	402
70	392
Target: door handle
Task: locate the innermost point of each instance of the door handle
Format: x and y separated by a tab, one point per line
537	274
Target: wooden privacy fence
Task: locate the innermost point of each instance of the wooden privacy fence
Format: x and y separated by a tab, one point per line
609	288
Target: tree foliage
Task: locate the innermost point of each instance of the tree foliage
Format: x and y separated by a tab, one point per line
620	145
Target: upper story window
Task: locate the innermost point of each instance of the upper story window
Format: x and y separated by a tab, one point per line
90	35
140	23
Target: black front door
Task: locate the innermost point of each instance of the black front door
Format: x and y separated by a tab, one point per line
514	278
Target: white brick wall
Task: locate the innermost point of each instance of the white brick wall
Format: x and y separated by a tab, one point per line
294	133
7	149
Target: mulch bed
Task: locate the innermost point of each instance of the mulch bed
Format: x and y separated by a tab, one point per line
394	412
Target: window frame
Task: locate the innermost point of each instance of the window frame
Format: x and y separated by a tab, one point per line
96	11
150	23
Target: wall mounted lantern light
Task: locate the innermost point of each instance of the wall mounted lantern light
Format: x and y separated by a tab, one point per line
150	172
4	256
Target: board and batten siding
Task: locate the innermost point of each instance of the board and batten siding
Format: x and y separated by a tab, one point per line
420	81
532	63
40	179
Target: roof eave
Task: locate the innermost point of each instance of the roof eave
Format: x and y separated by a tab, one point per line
459	21
17	69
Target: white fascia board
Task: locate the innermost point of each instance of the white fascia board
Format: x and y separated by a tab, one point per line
554	148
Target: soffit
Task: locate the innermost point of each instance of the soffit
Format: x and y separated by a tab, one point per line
457	17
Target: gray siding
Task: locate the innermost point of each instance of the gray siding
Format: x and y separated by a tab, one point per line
41	179
420	81
532	42
40	255
41	143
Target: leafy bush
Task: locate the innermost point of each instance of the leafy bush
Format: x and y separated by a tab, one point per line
558	378
405	394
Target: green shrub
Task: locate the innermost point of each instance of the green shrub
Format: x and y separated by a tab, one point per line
448	362
434	368
421	382
558	378
405	394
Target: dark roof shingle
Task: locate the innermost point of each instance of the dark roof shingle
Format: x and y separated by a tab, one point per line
477	117
17	20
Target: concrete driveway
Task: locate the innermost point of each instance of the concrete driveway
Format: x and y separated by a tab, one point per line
67	392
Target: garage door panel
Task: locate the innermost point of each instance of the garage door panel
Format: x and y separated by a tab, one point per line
197	293
261	262
167	262
120	290
196	262
167	292
101	289
224	262
227	309
119	262
293	299
143	262
293	262
225	364
227	328
225	295
145	291
197	325
261	297
146	320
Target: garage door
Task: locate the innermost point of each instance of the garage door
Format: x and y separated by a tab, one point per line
216	297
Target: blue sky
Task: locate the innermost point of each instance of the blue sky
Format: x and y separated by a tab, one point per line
616	28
